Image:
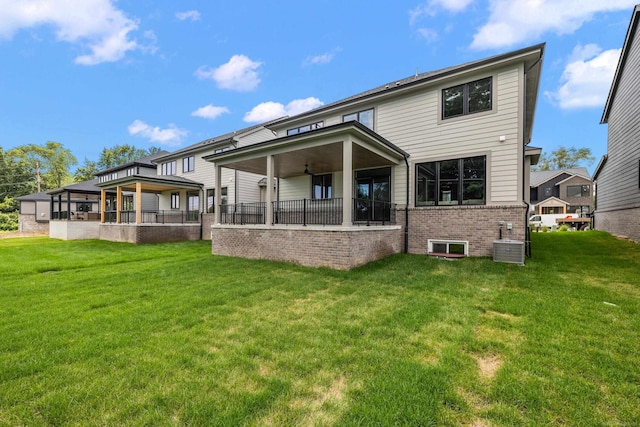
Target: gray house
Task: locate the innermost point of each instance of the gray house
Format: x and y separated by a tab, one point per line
565	191
617	176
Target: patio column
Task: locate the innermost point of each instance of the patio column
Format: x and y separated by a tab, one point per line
103	204
118	204
217	196
269	197
68	205
138	203
347	182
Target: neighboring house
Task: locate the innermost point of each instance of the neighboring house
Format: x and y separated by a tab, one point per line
566	191
74	202
617	176
182	186
435	163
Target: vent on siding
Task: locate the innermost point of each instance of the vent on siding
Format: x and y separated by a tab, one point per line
511	251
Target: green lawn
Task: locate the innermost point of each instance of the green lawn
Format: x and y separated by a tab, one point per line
101	333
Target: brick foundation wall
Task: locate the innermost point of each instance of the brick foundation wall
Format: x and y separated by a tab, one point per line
28	224
476	224
149	233
207	222
622	222
332	247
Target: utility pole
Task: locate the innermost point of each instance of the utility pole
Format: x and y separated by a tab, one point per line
38	174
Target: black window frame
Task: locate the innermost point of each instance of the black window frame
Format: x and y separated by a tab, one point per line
323	183
211	197
457	176
305	128
585	190
168	168
465	89
357	117
175	200
190	163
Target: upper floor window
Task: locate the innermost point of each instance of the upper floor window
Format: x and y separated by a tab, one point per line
108	177
467	98
305	128
321	186
451	182
188	164
168	168
132	171
221	150
365	117
578	190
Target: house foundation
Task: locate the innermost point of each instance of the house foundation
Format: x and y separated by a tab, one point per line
620	222
337	247
149	233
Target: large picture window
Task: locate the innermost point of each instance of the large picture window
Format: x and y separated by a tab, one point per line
467	98
211	197
578	190
451	182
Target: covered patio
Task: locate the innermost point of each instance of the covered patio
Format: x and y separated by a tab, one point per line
338	226
130	215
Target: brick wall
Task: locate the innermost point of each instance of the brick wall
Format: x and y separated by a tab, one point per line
622	222
332	247
149	233
28	224
476	224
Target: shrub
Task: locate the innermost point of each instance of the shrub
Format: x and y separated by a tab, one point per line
9	221
563	227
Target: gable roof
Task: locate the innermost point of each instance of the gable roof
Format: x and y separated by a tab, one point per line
533	66
626	47
146	161
540	177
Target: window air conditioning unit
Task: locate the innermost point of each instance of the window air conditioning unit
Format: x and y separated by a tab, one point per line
511	251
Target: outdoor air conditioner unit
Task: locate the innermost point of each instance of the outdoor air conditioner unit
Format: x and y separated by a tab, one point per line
511	251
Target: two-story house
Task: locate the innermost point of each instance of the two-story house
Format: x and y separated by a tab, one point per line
565	191
617	176
436	163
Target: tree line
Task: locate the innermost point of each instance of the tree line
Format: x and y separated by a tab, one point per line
33	168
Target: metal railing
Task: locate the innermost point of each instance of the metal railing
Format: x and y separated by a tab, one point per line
155	217
243	213
310	212
76	215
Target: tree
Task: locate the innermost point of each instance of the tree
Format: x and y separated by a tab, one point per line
86	172
16	179
564	158
48	165
122	154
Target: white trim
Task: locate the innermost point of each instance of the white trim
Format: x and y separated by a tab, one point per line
465	243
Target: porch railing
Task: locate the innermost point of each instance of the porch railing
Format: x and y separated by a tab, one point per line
76	215
155	217
309	212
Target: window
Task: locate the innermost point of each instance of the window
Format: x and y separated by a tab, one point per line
169	168
448	247
132	171
583	211
365	117
467	98
220	150
127	202
546	210
451	182
321	186
188	164
84	206
305	128
577	190
175	200
109	177
211	193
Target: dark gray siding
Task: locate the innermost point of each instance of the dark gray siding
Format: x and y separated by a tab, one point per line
617	184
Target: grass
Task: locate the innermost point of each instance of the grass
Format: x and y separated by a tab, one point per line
102	333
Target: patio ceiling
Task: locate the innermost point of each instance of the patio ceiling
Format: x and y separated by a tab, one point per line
319	151
152	184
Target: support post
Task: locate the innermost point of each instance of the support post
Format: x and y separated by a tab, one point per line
217	197
118	204
269	196
347	182
103	205
138	203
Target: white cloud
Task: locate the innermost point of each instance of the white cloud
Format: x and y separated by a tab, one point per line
239	74
192	15
96	25
428	34
511	22
272	110
324	58
170	136
587	78
431	7
210	112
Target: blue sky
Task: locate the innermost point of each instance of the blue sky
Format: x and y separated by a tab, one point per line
96	73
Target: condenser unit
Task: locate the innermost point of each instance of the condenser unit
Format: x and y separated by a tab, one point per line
508	251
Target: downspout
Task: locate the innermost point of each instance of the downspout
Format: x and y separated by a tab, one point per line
202	210
527	230
406	211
